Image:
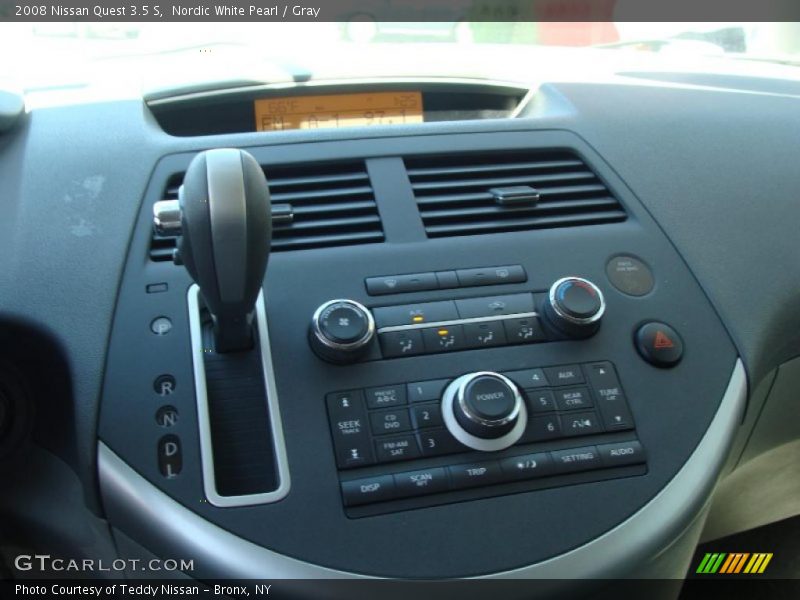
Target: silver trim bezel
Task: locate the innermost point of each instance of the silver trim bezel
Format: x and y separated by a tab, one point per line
473	441
203	418
328	343
465	321
551	296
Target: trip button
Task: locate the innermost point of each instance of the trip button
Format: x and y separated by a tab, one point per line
540	400
389	421
395	344
491	275
396	448
488	306
584	423
527	466
475	474
369	489
484	335
577	459
564	375
573	399
621	453
386	396
443	339
417	483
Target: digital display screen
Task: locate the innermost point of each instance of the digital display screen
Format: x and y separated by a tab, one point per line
338	110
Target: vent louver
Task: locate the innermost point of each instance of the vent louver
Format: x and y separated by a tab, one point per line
313	206
464	194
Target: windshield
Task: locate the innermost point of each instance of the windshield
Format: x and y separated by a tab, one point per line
136	56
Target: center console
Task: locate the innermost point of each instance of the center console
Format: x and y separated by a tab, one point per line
472	355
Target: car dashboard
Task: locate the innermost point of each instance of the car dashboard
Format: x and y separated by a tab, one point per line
524	333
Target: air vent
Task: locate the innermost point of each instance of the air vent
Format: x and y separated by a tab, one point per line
470	194
313	206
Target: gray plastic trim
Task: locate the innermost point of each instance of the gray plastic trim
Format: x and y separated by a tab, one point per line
206	450
172	530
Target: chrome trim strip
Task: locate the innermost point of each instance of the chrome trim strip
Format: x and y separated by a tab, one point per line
457	322
167	528
206	449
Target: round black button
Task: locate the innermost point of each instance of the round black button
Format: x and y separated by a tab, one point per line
578	299
489	398
343	324
659	344
630	275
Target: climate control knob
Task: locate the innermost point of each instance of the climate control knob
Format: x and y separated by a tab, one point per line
341	331
575	306
484	411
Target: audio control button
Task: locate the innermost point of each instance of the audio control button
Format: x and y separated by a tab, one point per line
621	453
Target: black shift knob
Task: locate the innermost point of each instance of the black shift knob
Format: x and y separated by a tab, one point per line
226	226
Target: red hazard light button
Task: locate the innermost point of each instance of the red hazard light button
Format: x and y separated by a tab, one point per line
659	344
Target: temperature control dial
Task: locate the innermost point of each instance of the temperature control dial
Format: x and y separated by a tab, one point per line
341	331
484	411
575	306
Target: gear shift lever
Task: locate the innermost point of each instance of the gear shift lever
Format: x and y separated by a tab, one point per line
226	227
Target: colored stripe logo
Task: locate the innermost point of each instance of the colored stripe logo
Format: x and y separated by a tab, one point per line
734	562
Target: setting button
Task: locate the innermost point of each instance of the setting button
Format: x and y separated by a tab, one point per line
386	396
396	448
576	459
443	339
527	466
396	344
417	483
573	399
475	474
564	375
369	489
389	421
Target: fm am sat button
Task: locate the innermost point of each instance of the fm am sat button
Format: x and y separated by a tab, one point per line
416	483
396	448
170	457
659	344
395	344
369	489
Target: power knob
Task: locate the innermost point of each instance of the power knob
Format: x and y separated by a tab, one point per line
341	331
574	307
484	411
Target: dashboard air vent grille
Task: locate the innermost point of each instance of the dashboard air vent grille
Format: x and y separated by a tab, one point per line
469	194
313	206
